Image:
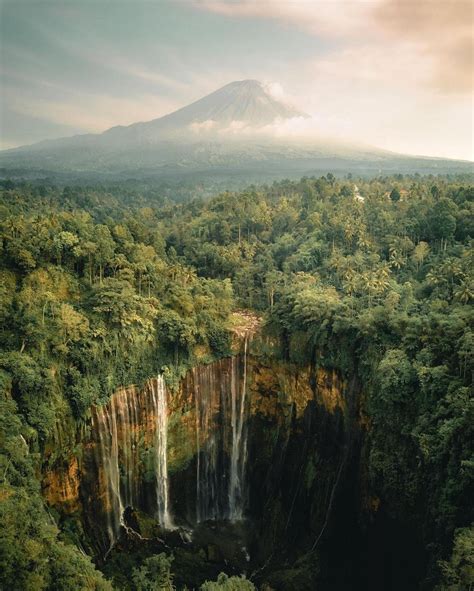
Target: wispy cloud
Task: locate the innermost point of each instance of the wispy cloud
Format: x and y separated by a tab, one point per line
331	18
92	113
107	56
438	32
441	33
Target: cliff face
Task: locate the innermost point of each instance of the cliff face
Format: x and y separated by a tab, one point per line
239	438
304	435
61	486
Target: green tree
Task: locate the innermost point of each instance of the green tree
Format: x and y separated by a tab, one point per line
395	195
154	574
226	583
458	572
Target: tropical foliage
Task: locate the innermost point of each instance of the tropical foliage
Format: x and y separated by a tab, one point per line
102	287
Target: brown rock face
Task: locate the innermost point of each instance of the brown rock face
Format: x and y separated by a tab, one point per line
330	390
234	440
61	486
274	385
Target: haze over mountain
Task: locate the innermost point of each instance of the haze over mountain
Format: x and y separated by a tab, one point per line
238	129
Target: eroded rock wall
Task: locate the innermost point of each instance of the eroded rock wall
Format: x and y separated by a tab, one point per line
246	437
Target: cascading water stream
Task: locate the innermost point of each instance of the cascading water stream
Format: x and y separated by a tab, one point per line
238	459
121	428
208	497
108	459
221	407
161	445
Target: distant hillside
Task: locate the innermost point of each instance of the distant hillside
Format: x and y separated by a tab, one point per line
223	135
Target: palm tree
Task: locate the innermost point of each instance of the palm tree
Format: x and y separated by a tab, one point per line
351	283
464	292
397	260
421	251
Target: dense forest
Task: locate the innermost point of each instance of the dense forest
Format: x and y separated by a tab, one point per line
102	287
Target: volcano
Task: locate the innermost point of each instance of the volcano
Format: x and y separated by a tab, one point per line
238	105
225	135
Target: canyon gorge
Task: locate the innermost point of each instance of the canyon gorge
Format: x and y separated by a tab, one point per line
246	447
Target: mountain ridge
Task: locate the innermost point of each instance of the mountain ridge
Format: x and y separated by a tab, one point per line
230	129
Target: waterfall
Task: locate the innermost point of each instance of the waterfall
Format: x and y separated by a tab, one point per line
161	444
106	428
130	441
128	430
238	459
208	497
221	407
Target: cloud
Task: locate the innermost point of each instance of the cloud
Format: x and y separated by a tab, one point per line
275	90
119	61
441	31
203	126
140	71
387	100
438	32
91	113
300	128
331	18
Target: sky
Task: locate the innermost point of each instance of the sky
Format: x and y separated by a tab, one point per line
397	74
